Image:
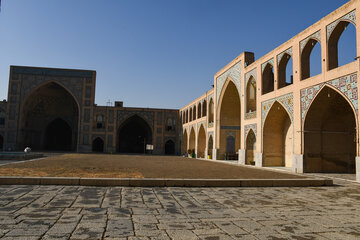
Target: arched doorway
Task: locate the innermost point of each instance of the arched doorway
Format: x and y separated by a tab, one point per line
277	137
342	45
330	134
201	143
58	136
229	125
133	135
268	79
285	71
210	146
251	95
311	59
1	143
44	111
250	147
192	142
211	113
185	142
169	147
98	145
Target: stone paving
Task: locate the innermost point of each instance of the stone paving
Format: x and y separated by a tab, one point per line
72	212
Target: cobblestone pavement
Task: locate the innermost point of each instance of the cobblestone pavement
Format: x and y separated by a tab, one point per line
72	212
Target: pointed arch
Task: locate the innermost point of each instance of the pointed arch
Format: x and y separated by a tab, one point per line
199	110
185	142
98	145
311	59
251	95
345	30
277	137
133	135
210	146
170	147
211	112
190	114
48	101
201	142
204	105
268	78
250	147
192	142
58	136
194	112
285	71
330	133
228	114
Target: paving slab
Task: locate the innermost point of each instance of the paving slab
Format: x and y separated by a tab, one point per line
86	212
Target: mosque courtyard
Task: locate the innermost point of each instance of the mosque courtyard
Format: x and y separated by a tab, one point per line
135	166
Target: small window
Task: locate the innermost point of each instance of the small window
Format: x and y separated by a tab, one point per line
99	125
2	121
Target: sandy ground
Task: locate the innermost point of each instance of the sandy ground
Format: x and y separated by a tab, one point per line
135	166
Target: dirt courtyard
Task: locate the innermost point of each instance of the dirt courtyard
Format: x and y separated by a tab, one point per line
135	166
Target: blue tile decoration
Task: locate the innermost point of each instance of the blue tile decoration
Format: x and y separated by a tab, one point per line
271	61
288	51
350	17
347	85
315	36
286	101
247	129
234	73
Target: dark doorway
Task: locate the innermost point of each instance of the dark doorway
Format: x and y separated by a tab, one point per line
230	145
170	147
98	145
58	136
133	135
330	134
1	143
49	101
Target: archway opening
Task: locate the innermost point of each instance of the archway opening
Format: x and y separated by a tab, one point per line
98	145
330	134
1	143
285	71
46	103
342	45
210	147
184	142
133	135
250	147
204	105
192	142
201	143
251	95
268	79
311	59
277	135
211	112
170	147
199	111
229	122
58	136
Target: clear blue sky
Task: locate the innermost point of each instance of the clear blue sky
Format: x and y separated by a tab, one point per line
148	53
